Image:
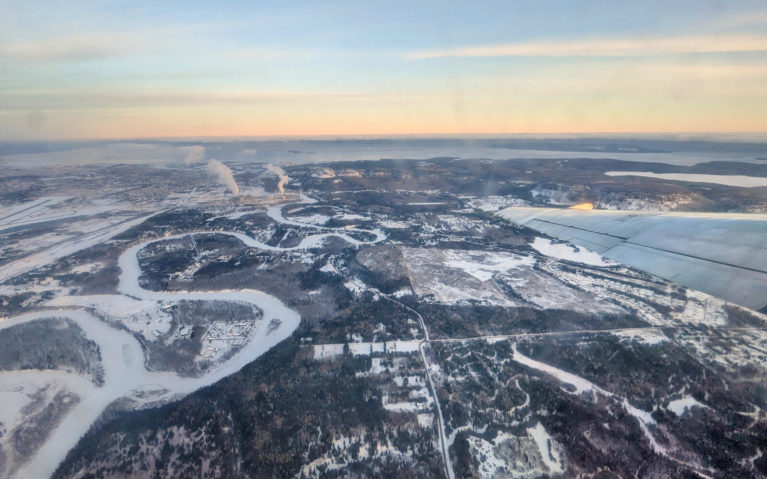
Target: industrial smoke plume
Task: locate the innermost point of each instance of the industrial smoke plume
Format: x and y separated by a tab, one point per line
284	178
224	175
195	154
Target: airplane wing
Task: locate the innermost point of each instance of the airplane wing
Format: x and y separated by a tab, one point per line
721	254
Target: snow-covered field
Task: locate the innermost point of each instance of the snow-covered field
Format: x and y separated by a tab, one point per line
482	265
53	208
682	405
467	276
108	229
569	252
322	351
495	203
461	276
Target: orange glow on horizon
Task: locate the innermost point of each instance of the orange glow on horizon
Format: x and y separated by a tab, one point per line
424	116
583	206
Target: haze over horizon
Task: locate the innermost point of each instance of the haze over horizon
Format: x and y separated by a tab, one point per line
139	70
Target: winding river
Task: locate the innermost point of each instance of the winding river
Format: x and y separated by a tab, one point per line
123	358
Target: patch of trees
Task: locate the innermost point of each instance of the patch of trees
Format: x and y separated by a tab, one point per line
166	222
51	343
268	420
480	320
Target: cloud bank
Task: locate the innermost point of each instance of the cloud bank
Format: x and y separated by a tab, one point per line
608	47
85	47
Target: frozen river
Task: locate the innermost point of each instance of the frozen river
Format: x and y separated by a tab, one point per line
124	360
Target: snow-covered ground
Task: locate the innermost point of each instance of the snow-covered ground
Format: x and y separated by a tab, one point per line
495	203
391	224
645	298
315	219
681	406
482	265
550	451
529	456
79	242
569	252
461	276
322	351
649	337
581	385
53	208
146	317
351	217
356	286
467	276
441	275
123	361
142	311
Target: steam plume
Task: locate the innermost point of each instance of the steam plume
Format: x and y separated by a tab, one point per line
224	175
284	178
195	154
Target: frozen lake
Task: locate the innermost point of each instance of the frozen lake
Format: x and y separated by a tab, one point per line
727	180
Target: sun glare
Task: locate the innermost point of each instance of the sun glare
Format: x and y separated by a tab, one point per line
583	206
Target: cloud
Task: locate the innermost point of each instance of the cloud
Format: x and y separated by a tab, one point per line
195	154
626	77
73	48
91	98
610	47
284	178
271	54
738	20
224	175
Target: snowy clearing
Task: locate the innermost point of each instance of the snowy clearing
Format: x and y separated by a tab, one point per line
569	252
681	406
548	449
649	337
461	276
322	351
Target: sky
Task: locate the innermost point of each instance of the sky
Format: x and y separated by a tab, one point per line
119	69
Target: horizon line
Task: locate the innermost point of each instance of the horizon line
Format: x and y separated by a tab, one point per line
352	136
